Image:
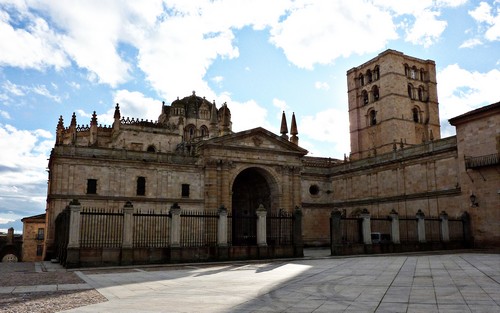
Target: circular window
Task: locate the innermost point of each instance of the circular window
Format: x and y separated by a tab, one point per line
314	190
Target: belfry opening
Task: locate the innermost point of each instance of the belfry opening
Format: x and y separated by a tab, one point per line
251	188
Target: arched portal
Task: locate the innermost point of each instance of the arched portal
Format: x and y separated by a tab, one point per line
251	188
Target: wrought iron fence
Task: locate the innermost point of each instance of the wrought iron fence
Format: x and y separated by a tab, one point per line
351	230
101	228
456	229
199	229
279	228
151	230
243	230
408	229
432	229
380	225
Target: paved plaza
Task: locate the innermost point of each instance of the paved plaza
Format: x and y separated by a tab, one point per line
463	282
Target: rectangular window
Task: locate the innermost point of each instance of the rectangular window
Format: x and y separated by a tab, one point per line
91	186
185	190
39	250
141	186
40	234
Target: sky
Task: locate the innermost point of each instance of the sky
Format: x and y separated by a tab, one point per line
262	57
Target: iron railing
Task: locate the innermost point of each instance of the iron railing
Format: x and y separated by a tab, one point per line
279	228
199	229
151	230
101	228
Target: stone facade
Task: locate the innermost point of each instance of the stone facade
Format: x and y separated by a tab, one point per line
33	238
191	157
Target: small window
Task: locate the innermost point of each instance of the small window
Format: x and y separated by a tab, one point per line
141	186
41	233
422	74
204	131
151	148
39	250
373	117
361	80
420	93
375	93
415	114
314	190
376	73
410	91
185	191
364	94
369	76
91	186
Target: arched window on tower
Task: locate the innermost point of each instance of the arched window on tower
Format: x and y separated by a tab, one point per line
375	93
407	70
364	95
422	74
415	114
189	132
413	73
376	73
410	91
420	93
372	115
369	76
361	80
204	131
151	148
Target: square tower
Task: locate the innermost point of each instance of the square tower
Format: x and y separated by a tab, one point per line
392	100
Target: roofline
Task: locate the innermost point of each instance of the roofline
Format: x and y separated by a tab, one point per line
461	118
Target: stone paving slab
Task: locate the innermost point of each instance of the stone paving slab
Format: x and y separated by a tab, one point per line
465	282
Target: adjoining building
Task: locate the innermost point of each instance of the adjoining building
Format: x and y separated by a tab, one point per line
191	157
33	237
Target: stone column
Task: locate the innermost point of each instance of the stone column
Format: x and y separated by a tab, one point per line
175	226
261	226
127	254
394	227
366	227
445	231
222	227
335	232
421	226
73	250
297	233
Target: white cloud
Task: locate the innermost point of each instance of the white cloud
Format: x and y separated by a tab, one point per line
427	28
5	115
484	14
470	43
43	91
334	29
322	85
461	90
329	127
241	118
14	89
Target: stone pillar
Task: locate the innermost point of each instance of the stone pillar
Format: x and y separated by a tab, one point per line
127	255
394	227
74	224
10	235
298	244
222	227
261	226
335	232
73	250
445	231
366	227
421	226
175	226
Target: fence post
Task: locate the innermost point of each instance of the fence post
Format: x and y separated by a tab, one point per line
261	226
298	244
394	226
222	227
421	226
366	227
73	251
445	230
335	232
175	226
127	254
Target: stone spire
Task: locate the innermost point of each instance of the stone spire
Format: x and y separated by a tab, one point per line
293	131
225	119
213	121
60	130
284	127
116	116
72	128
93	130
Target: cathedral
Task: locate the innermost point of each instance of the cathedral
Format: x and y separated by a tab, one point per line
190	156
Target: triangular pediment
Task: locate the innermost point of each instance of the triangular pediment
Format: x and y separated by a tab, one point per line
254	139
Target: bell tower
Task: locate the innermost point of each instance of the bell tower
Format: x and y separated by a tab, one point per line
392	100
